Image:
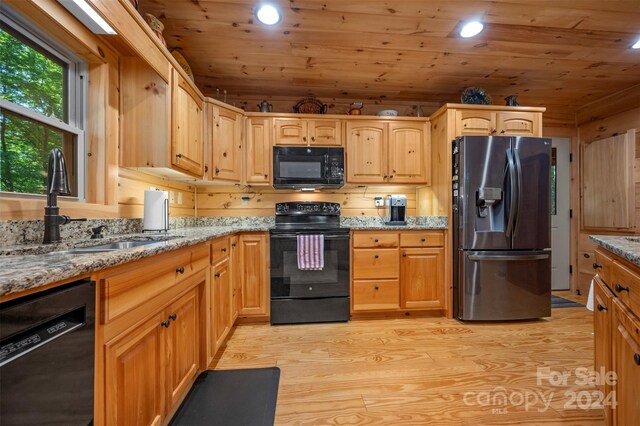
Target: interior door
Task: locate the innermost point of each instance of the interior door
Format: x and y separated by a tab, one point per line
560	206
533	219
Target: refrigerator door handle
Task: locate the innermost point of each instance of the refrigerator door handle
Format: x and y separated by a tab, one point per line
513	194
516	155
513	258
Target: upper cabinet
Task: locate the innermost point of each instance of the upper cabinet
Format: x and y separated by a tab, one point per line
187	142
472	122
161	122
387	152
224	141
258	151
307	132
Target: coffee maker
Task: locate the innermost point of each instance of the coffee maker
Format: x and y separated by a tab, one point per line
396	210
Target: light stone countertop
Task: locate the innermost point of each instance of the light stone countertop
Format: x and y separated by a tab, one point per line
25	267
627	247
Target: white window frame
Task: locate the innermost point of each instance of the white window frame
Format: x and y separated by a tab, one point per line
76	96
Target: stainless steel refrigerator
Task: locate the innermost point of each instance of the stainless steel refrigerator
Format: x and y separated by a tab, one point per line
501	228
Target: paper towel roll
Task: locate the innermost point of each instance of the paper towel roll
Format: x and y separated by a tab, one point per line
156	211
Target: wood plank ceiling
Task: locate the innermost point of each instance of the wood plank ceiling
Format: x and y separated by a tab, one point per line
561	54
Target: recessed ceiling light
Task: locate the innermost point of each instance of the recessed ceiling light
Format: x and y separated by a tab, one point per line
471	29
636	45
268	14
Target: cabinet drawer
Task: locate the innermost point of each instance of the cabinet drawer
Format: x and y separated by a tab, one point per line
127	287
626	285
376	295
373	239
375	263
219	250
422	239
603	264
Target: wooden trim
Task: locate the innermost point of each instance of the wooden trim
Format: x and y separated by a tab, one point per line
331	116
446	107
610	105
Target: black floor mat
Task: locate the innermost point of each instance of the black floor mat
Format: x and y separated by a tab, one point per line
561	302
231	397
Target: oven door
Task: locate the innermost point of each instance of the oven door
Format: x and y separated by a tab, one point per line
289	282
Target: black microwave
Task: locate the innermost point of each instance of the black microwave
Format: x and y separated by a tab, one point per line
297	167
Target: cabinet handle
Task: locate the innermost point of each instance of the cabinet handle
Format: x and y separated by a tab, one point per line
180	270
224	154
178	155
385	176
493	131
165	324
206	169
636	358
596	266
620	289
173	317
602	308
423	240
216	170
404	254
224	250
233	245
376	256
304	138
377	288
217	275
375	241
502	131
313	138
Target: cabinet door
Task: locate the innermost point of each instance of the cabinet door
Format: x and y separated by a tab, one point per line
625	360
187	142
325	132
290	131
221	303
259	156
135	379
366	152
475	123
236	287
227	145
407	153
375	295
182	345
422	278
518	124
602	313
255	278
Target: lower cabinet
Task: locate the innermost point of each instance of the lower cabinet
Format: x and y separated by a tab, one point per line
602	320
398	271
625	361
254	275
151	367
221	292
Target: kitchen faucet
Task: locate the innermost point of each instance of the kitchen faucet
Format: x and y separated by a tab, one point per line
57	184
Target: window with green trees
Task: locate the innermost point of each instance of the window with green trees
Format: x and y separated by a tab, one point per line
38	104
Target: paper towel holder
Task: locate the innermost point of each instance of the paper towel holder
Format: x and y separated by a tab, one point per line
154	223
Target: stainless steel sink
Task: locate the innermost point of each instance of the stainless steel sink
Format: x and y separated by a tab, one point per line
105	248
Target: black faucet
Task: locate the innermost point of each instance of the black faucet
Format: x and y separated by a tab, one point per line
97	232
57	184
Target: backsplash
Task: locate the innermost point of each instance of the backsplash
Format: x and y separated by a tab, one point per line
412	221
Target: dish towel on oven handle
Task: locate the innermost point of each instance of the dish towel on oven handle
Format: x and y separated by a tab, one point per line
311	252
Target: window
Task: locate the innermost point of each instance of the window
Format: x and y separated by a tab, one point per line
41	107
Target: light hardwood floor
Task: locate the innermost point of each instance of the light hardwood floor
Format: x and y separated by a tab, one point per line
422	370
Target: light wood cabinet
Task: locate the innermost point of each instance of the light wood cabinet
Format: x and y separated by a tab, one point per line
387	152
224	142
150	369
625	361
480	122
307	132
187	142
182	345
221	292
236	274
258	152
422	278
617	336
254	252
135	378
388	278
602	323
161	121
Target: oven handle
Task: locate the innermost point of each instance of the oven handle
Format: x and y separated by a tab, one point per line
326	237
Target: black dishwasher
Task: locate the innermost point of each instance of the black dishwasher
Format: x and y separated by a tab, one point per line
47	344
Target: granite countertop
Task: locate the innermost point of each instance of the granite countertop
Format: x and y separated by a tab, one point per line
25	267
626	247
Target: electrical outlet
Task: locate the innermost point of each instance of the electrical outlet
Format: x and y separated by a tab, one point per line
180	198
245	200
379	201
172	197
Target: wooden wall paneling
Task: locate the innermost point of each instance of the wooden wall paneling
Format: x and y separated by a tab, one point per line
355	201
608	195
131	187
